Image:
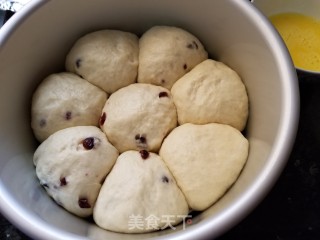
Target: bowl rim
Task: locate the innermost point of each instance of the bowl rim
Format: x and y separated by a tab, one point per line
249	200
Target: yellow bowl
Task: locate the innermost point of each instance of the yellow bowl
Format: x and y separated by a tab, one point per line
298	23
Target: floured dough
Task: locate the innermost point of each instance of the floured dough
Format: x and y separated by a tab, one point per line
64	100
71	165
205	160
211	93
139	195
139	116
106	58
166	54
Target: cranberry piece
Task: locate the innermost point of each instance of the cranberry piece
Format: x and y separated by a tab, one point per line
63	181
84	203
185	66
103	118
68	115
78	63
140	138
143	139
42	123
144	154
163	94
190	46
165	179
88	143
193	45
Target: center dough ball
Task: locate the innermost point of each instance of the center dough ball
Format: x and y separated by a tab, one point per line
106	58
138	116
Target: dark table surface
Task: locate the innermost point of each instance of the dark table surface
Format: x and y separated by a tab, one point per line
291	211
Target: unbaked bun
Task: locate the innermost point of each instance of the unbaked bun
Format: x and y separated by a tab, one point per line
139	186
205	160
166	54
211	93
138	116
72	165
65	100
106	58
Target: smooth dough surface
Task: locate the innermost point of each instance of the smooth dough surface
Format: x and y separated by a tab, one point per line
106	58
139	116
139	195
205	160
71	165
211	93
166	54
65	100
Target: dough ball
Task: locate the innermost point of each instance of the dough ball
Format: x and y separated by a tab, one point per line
106	58
205	160
72	164
211	93
138	116
140	189
64	100
166	54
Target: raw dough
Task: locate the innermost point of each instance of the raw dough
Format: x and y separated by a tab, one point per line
139	195
106	58
65	100
166	54
205	160
211	93
139	116
72	164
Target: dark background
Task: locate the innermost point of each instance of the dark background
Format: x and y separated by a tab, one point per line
291	211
